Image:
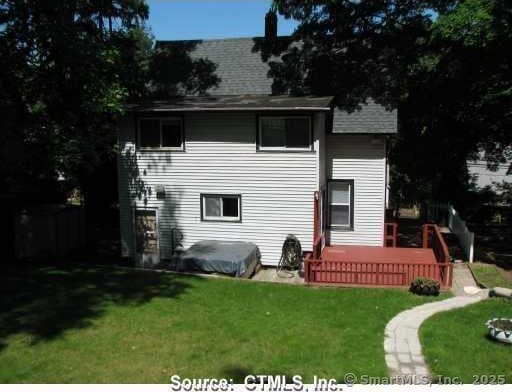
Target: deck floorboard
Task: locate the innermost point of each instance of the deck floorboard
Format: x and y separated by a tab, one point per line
368	254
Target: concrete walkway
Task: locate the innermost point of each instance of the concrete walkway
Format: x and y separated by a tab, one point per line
462	278
404	358
270	275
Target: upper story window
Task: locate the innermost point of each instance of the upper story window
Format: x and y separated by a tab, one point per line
165	133
284	133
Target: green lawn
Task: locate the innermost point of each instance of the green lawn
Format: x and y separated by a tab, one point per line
455	343
112	325
490	276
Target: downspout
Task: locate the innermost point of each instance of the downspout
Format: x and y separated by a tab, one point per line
386	181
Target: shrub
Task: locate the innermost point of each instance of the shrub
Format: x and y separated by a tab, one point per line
425	286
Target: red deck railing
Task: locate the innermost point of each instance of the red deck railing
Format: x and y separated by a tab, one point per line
374	272
432	238
390	234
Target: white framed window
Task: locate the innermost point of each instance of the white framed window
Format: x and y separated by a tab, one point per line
161	133
284	133
341	204
221	207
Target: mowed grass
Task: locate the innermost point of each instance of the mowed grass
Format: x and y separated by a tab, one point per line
102	325
455	342
490	275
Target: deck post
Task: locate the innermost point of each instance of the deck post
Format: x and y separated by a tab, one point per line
425	235
393	237
315	217
306	270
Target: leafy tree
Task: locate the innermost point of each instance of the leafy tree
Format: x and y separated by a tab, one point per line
505	195
458	102
352	49
68	67
444	64
475	66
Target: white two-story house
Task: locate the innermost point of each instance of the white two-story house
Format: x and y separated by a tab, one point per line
242	164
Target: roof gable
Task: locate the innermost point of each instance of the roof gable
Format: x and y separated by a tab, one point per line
244	70
239	66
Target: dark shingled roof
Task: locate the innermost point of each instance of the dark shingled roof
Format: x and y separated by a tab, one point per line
372	118
243	72
216	103
240	69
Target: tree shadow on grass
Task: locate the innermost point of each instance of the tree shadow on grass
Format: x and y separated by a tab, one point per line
45	302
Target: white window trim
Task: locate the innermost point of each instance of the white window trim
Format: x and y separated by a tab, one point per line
348	204
284	148
222	218
160	148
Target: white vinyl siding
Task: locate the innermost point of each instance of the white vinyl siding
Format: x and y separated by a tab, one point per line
221	159
361	158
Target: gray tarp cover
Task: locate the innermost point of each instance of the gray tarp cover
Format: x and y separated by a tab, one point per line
227	257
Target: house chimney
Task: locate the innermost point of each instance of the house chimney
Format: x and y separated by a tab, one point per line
271	27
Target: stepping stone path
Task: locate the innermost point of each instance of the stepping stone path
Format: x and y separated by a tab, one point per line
404	359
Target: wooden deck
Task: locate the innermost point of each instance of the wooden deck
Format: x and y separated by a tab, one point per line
353	265
375	272
380	254
385	265
379	265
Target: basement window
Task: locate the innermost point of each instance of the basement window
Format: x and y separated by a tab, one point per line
341	204
161	133
289	133
221	208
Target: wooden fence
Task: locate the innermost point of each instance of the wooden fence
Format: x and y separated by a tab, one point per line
49	231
